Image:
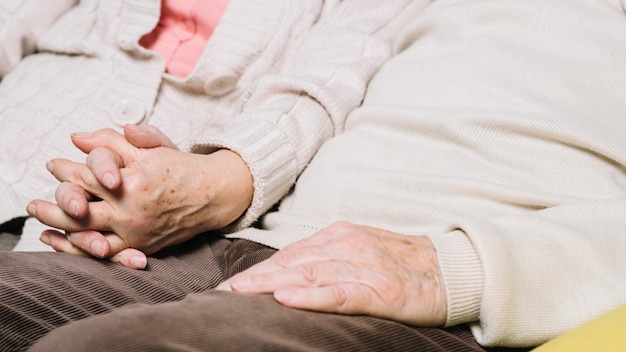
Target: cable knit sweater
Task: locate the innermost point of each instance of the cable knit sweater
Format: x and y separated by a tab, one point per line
276	79
499	131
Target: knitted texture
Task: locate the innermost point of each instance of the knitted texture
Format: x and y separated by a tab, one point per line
498	131
275	81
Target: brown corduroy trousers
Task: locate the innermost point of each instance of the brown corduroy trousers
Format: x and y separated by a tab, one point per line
58	302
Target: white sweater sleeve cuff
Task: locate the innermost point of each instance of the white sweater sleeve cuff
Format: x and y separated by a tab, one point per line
270	158
462	274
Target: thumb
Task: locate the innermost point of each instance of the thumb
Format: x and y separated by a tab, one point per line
131	258
147	136
107	138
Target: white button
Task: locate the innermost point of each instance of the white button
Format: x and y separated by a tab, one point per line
128	111
220	85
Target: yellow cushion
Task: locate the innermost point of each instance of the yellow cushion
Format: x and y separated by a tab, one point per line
604	333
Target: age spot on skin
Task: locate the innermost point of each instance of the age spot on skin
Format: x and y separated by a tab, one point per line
410	245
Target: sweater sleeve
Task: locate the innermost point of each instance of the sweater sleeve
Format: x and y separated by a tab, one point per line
22	22
290	114
545	272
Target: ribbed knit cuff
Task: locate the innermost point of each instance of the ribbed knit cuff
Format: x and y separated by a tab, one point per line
462	274
270	158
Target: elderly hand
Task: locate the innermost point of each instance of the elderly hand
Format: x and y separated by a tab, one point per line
71	198
352	269
161	197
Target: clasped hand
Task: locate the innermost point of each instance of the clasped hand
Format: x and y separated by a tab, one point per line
138	191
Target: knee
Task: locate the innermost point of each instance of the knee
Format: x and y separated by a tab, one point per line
120	330
212	320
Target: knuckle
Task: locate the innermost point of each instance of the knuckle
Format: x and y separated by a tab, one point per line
341	298
136	184
310	274
60	193
106	132
284	258
340	226
87	178
336	231
95	156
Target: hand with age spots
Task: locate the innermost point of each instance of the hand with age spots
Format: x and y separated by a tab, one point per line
138	194
353	269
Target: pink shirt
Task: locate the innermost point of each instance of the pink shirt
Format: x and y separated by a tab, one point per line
183	31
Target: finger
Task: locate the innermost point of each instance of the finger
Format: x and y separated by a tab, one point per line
131	258
108	245
59	243
246	282
92	242
344	298
116	243
147	136
357	299
314	274
107	138
299	253
72	199
52	215
273	266
98	244
322	287
105	165
79	174
311	249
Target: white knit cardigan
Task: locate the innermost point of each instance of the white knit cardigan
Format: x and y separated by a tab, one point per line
275	81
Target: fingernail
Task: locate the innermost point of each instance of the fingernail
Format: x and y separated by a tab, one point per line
283	296
98	249
45	239
31	209
224	286
50	166
138	262
241	284
74	208
109	180
82	134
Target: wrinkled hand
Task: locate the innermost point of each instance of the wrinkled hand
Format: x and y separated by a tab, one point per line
352	269
71	198
159	197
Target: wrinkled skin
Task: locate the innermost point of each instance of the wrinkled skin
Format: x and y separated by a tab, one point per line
353	269
144	197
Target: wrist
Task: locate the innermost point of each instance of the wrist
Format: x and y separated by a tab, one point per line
233	187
